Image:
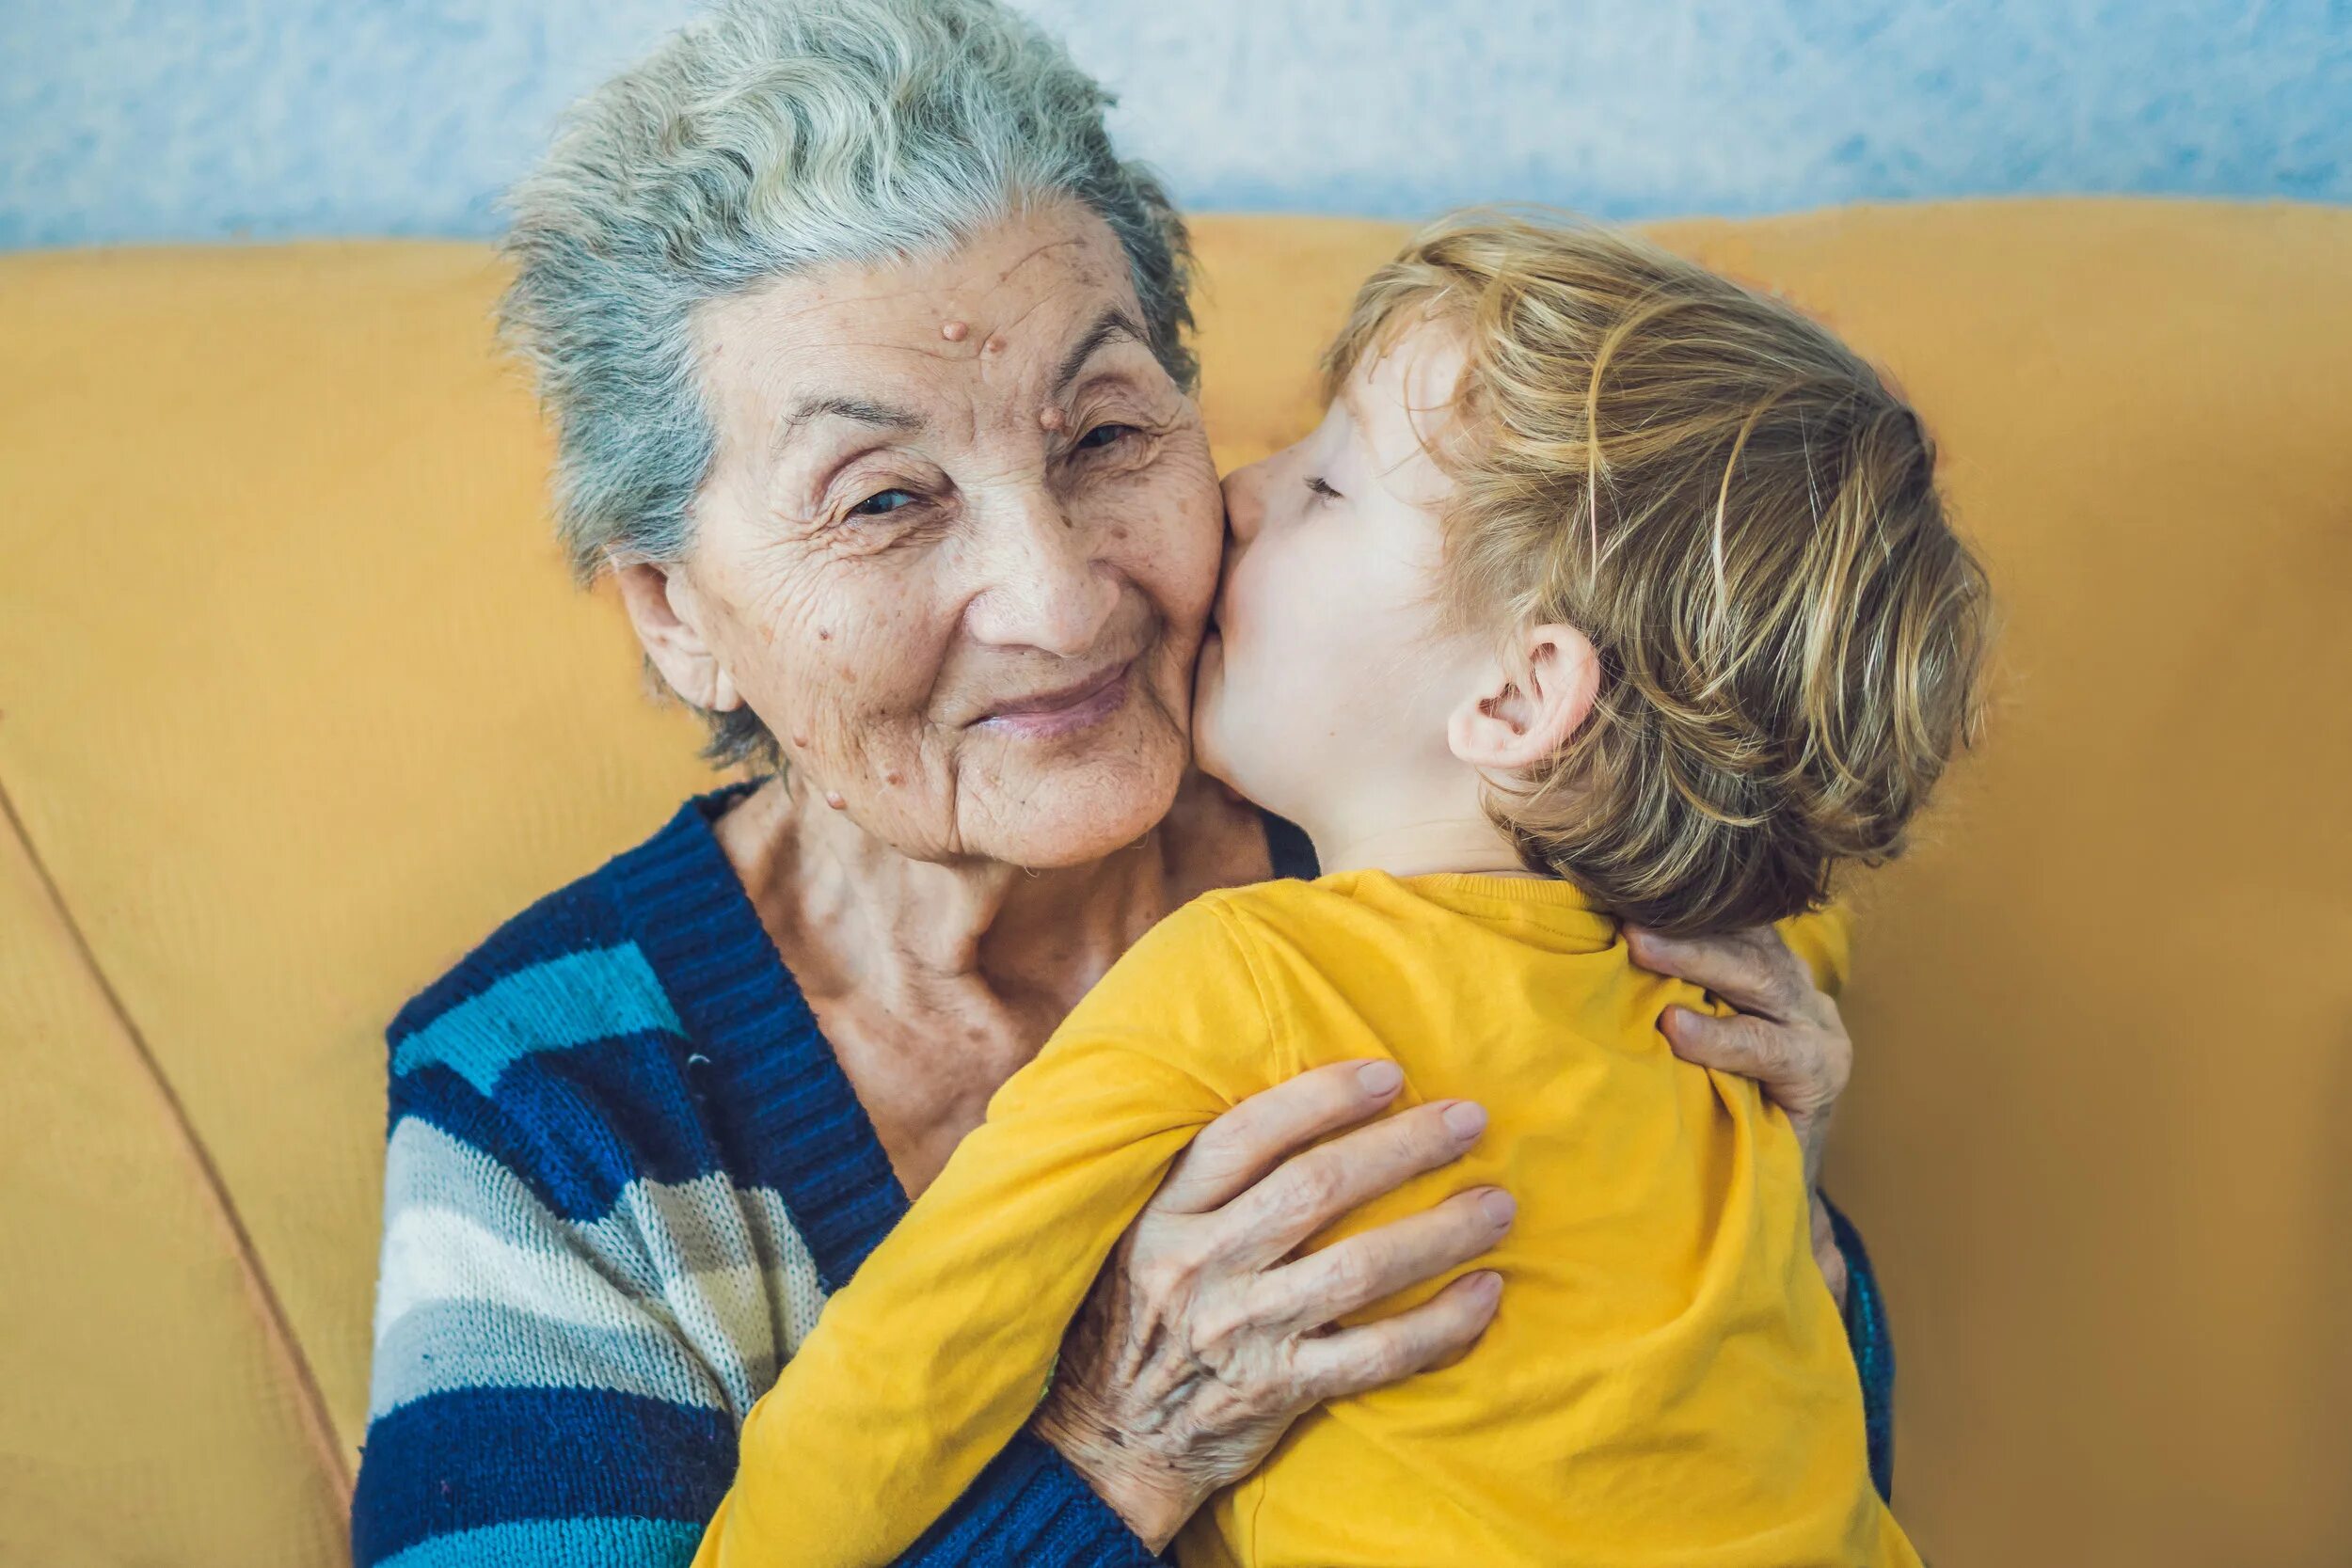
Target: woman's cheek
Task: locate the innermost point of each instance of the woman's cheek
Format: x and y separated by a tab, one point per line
833	672
1167	532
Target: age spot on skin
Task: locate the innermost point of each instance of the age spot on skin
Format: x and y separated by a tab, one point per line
893	779
954	331
801	741
1052	417
833	798
823	635
996	343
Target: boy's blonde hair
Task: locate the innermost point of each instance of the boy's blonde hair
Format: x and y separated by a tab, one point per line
1742	518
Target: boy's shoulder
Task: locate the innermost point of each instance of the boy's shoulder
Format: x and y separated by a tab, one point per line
1235	922
1282	934
1197	973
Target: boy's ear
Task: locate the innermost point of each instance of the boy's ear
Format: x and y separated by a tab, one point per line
668	613
1520	717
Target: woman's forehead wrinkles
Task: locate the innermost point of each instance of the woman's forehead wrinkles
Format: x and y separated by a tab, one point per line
1065	242
915	328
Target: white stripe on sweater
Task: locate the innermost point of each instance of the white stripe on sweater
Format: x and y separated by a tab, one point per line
715	1276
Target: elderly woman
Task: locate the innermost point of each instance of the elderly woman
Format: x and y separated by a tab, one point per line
866	359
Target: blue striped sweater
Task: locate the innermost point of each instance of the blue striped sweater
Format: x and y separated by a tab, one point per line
624	1173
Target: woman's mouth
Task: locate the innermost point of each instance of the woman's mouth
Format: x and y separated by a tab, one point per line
1050	714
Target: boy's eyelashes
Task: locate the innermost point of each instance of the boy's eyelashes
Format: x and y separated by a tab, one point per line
1321	490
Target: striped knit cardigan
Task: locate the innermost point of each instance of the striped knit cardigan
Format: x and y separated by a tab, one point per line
624	1173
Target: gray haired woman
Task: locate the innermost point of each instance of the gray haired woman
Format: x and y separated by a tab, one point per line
866	354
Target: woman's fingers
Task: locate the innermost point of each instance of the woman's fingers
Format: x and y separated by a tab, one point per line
1750	1047
1312	1190
1377	1263
1753	970
1802	1068
1374	1354
1241	1146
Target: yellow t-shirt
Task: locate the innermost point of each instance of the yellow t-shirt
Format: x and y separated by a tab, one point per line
1666	1382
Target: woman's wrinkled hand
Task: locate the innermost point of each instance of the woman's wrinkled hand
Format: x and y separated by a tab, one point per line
1206	1337
1787	1035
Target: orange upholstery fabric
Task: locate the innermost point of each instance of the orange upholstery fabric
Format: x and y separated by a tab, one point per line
295	704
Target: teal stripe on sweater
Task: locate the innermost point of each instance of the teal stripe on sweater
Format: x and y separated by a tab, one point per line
572	1543
554	1006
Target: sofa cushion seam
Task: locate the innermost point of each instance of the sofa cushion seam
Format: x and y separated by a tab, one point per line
318	1428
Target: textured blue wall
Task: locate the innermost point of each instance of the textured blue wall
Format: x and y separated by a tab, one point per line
201	119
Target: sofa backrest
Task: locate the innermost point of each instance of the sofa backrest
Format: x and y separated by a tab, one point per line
296	703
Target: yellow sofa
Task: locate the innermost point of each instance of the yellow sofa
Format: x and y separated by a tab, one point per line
295	704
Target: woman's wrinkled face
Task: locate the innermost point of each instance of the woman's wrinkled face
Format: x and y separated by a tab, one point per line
956	544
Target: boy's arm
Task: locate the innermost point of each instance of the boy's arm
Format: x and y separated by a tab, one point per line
934	1355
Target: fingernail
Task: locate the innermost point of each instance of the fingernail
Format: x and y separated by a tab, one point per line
1380	1077
1486	1285
1465	1120
1499	1207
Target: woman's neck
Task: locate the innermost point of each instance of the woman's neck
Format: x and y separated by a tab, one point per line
934	983
861	914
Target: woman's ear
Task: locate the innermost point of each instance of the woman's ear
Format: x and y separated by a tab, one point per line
668	615
1520	717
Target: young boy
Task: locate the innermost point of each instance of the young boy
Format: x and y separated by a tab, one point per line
1607	590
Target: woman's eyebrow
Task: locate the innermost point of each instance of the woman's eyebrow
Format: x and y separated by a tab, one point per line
1112	324
880	416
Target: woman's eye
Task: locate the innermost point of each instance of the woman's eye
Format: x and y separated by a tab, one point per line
1106	436
881	503
1321	490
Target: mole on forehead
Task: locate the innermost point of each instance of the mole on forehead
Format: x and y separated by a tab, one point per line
957	331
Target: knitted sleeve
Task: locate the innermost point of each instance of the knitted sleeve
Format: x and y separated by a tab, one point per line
1873	1349
578	1298
536	1396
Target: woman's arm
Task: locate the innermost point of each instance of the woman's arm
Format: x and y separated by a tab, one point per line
529	1404
535	1404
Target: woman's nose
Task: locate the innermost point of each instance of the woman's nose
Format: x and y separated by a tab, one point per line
1043	588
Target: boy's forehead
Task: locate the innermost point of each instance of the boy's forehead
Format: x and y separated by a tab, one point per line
1400	397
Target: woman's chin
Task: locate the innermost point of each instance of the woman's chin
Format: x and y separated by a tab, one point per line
1078	810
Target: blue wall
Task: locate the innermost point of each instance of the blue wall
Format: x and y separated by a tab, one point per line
139	120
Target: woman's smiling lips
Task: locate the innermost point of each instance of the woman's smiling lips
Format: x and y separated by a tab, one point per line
1051	714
